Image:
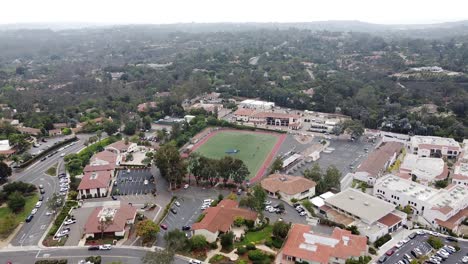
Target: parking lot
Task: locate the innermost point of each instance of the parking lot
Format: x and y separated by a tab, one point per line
344	155
420	242
134	182
76	230
190	201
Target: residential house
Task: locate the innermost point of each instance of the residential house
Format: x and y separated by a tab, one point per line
287	187
220	219
29	130
55	132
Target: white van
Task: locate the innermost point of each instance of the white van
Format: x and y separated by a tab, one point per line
207	201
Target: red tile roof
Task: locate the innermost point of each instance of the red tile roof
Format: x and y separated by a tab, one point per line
221	217
145	106
106	167
103	158
390	220
29	130
119	220
244	112
119	145
275	115
302	243
94	180
286	184
379	157
454	221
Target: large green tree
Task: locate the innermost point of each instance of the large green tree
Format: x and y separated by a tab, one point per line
16	202
176	240
170	164
159	256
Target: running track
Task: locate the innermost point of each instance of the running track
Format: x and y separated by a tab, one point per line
269	158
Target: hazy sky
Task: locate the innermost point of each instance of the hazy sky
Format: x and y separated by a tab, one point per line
173	11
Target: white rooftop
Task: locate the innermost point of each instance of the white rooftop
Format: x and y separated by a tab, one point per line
317	201
454	197
440	141
5	144
326	195
291	159
407	187
367	207
423	167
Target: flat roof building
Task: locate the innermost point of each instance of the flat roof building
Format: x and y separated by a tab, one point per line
372	216
436	206
430	146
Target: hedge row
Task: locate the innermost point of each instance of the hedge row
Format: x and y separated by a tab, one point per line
166	210
54	147
61	216
51	261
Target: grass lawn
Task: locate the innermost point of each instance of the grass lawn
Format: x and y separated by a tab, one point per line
253	147
257	236
52	171
30	203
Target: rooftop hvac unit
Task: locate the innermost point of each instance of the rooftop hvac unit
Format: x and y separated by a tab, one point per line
366	203
351	197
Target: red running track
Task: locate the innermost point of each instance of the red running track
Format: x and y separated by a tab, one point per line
267	161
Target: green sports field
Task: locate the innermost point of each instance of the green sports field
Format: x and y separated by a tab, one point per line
253	147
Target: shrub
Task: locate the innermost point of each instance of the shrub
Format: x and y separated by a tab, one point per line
379	242
435	242
293	200
213	245
269	243
94	259
372	251
249	223
241	250
51	261
277	243
251	246
256	255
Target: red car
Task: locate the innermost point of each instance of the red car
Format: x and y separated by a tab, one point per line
163	226
390	252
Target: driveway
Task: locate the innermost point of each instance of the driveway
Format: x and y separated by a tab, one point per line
77	229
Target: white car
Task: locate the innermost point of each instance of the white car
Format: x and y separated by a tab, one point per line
177	203
303	213
268	207
50	213
434	233
105	247
267	202
186	186
271	210
399	244
203	207
195	261
420	232
38	204
34	211
69	222
465	259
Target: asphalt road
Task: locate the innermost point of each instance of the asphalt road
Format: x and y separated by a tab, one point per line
74	255
31	233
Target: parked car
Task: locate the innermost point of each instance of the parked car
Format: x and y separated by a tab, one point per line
303	213
50	212
105	247
38	204
177	203
42	191
93	248
34	211
173	210
267	202
186	186
29	218
412	235
186	228
390	252
451	239
465	259
382	259
113	197
41	198
163	226
195	261
69	221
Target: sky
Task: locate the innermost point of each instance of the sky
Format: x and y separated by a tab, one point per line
206	11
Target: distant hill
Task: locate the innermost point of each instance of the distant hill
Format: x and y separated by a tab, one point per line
436	30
